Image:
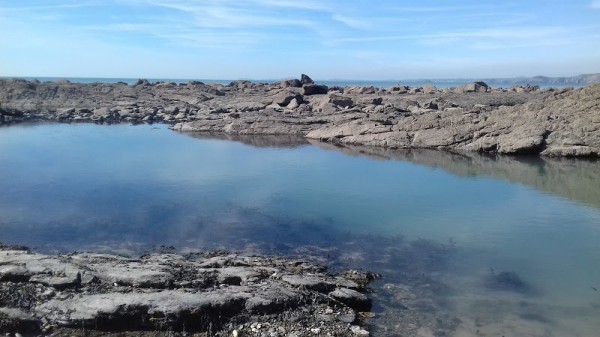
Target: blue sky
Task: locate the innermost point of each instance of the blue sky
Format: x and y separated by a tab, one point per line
273	39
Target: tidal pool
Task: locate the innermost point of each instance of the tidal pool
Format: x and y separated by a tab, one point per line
467	245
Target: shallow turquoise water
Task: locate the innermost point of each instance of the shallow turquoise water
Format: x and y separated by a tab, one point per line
132	188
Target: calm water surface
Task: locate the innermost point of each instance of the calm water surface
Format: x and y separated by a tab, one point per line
423	217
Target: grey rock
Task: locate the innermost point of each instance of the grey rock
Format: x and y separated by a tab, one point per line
102	112
525	120
311	282
14	319
352	298
429	89
57	282
358	331
476	87
294	83
285	97
341	101
165	291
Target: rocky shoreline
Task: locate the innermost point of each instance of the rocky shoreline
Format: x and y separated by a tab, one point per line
199	294
477	118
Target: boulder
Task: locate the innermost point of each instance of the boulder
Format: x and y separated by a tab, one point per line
315	89
284	98
476	87
102	112
341	101
429	89
305	79
352	298
293	83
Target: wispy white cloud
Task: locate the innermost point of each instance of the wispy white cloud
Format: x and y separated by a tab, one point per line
356	23
444	37
46	7
306	4
285	34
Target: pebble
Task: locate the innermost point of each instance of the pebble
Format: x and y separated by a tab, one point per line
358	331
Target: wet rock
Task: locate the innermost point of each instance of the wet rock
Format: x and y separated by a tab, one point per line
358	331
57	282
16	320
352	298
310	282
205	293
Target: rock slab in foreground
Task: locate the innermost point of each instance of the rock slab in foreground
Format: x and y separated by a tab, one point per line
211	293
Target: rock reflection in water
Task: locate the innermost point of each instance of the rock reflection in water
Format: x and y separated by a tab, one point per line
273	141
574	179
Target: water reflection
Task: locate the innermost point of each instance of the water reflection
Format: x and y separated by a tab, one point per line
274	141
463	250
575	179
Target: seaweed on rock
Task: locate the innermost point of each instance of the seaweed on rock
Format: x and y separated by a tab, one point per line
508	281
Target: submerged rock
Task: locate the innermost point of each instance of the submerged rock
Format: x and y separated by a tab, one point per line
508	281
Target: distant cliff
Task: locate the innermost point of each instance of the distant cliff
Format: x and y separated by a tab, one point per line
580	80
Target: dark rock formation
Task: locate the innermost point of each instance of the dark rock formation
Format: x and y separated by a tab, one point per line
315	89
305	79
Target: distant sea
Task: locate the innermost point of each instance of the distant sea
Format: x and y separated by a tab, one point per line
438	83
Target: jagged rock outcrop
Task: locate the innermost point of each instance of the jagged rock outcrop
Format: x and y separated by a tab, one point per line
520	120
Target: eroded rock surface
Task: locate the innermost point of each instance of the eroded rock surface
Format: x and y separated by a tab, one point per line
213	293
475	117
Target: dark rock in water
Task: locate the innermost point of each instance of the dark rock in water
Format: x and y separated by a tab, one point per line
315	89
362	277
305	79
508	281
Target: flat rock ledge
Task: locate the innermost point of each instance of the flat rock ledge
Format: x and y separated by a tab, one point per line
200	294
518	120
